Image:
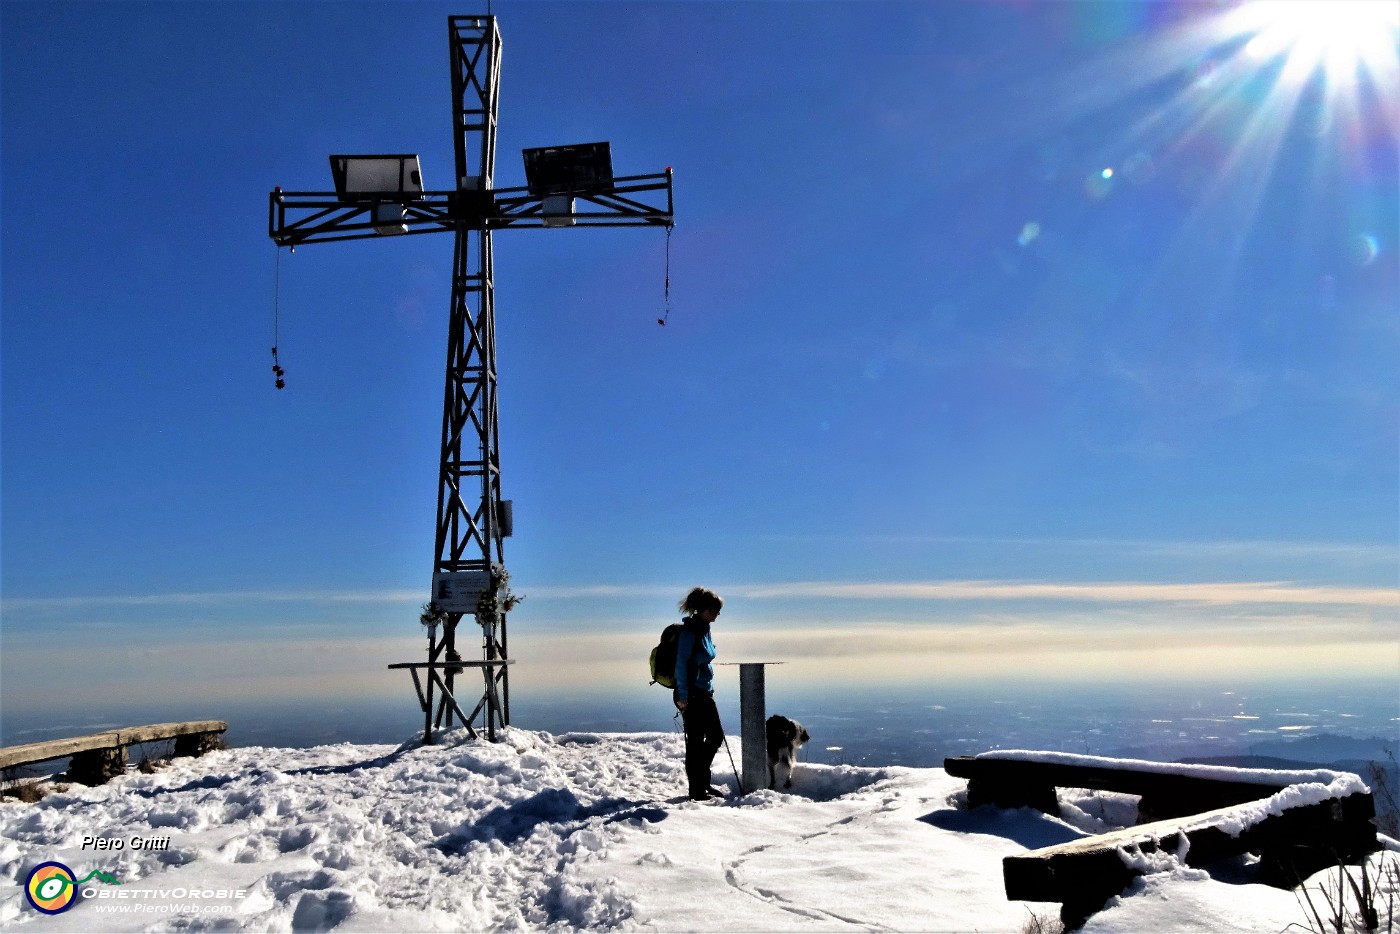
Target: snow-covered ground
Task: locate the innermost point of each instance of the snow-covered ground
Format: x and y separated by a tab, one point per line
578	831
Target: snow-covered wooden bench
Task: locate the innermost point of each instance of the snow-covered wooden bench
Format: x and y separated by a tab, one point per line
100	756
1015	778
1297	822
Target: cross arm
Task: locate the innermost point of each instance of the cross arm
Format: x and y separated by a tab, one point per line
297	217
630	201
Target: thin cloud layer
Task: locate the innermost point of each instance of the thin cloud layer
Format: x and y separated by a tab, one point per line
1213	593
1241	592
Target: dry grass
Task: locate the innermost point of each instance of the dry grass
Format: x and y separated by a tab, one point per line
155	756
1358	900
1388	821
22	784
26	792
1043	924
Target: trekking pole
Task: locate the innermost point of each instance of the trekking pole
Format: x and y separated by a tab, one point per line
738	779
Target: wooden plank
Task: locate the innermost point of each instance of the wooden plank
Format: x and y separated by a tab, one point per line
1020	782
1106	778
1091	869
1082	875
29	753
159	731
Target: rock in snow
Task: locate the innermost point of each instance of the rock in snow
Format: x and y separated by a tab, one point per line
571	832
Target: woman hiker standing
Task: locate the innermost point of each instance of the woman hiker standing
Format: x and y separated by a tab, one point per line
695	690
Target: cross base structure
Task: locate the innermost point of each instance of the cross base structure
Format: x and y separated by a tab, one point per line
383	195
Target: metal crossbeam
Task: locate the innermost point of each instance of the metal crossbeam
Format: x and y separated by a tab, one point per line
297	217
469	535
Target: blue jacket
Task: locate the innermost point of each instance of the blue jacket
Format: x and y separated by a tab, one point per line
695	656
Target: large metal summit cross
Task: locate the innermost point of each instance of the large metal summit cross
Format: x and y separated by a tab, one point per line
379	195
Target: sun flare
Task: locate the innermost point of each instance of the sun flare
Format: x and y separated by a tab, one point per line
1341	37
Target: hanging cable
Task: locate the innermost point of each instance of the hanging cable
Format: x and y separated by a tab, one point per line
277	372
662	320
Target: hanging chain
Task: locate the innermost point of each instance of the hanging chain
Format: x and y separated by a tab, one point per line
662	320
278	373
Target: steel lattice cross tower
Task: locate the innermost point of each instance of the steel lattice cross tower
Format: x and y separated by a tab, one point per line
378	195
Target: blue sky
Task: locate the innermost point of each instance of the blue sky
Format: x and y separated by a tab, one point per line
1038	338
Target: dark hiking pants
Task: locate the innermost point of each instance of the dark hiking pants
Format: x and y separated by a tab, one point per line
703	738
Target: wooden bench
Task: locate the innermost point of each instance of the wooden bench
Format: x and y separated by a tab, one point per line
1237	811
1175	792
101	756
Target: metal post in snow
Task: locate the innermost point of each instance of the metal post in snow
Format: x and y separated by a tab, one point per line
752	717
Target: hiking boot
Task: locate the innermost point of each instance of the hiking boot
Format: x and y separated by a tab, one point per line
715	792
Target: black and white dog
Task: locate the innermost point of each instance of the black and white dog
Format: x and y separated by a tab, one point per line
784	736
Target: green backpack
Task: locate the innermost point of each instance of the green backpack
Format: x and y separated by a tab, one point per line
663	657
